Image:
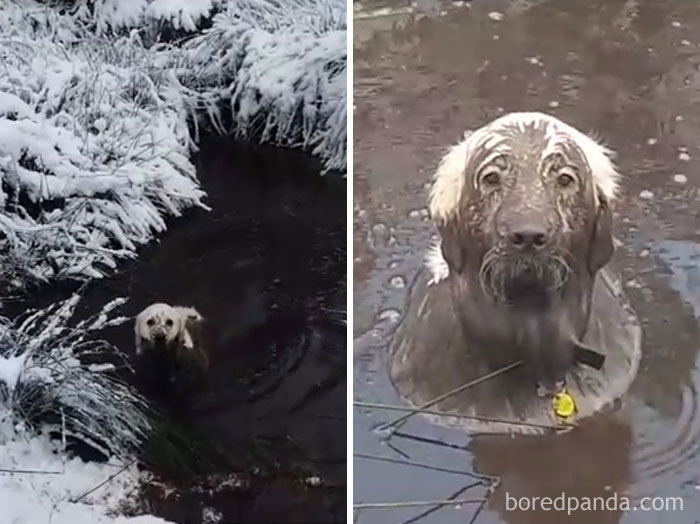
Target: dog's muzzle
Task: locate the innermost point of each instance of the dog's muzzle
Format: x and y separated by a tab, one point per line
513	276
158	335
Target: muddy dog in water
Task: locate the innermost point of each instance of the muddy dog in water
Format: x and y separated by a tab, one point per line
522	206
169	347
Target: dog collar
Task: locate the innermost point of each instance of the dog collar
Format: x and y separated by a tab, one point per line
587	355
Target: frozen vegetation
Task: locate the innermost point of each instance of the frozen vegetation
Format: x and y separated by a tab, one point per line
101	106
52	389
99	114
48	488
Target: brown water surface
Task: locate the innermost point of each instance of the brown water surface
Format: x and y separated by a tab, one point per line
425	72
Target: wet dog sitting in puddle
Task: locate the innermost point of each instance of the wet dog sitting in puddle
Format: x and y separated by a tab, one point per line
519	279
169	346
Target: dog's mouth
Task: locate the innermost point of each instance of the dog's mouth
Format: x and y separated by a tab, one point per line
522	278
158	339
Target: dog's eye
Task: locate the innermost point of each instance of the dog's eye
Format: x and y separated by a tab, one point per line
566	177
150	322
491	177
169	322
565	180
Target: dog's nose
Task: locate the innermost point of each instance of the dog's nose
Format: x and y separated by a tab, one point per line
528	239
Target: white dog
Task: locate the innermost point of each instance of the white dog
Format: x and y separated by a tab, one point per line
174	333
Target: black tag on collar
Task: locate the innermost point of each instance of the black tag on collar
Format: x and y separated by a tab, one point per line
586	355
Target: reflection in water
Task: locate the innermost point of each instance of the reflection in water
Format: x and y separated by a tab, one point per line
592	461
627	69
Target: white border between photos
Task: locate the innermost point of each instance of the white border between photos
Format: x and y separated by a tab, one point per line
349	255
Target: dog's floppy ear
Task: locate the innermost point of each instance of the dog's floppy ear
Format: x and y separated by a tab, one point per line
601	247
451	245
138	344
184	337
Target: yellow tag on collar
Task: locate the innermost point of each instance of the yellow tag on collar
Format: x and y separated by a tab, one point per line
564	404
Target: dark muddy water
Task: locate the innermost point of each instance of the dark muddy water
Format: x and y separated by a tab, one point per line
629	70
267	269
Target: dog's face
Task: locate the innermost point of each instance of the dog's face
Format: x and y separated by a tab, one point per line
158	324
528	211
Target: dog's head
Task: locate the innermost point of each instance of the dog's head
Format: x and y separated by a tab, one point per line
158	324
522	202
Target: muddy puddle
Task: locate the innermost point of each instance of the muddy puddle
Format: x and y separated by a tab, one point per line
265	440
424	72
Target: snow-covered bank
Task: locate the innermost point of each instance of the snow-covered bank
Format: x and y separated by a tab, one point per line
39	484
99	120
94	147
48	385
282	70
280	65
94	141
55	373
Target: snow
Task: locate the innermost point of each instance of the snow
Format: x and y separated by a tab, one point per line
95	114
10	369
94	153
113	15
182	14
101	104
42	378
46	484
282	67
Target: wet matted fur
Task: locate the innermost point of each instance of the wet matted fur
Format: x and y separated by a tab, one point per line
169	346
523	208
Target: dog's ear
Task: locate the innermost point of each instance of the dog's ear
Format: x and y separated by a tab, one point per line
138	344
184	337
451	245
602	247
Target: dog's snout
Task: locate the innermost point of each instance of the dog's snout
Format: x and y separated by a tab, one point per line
528	238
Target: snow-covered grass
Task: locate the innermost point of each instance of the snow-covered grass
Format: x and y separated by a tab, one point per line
95	145
281	65
56	374
56	382
101	105
113	15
